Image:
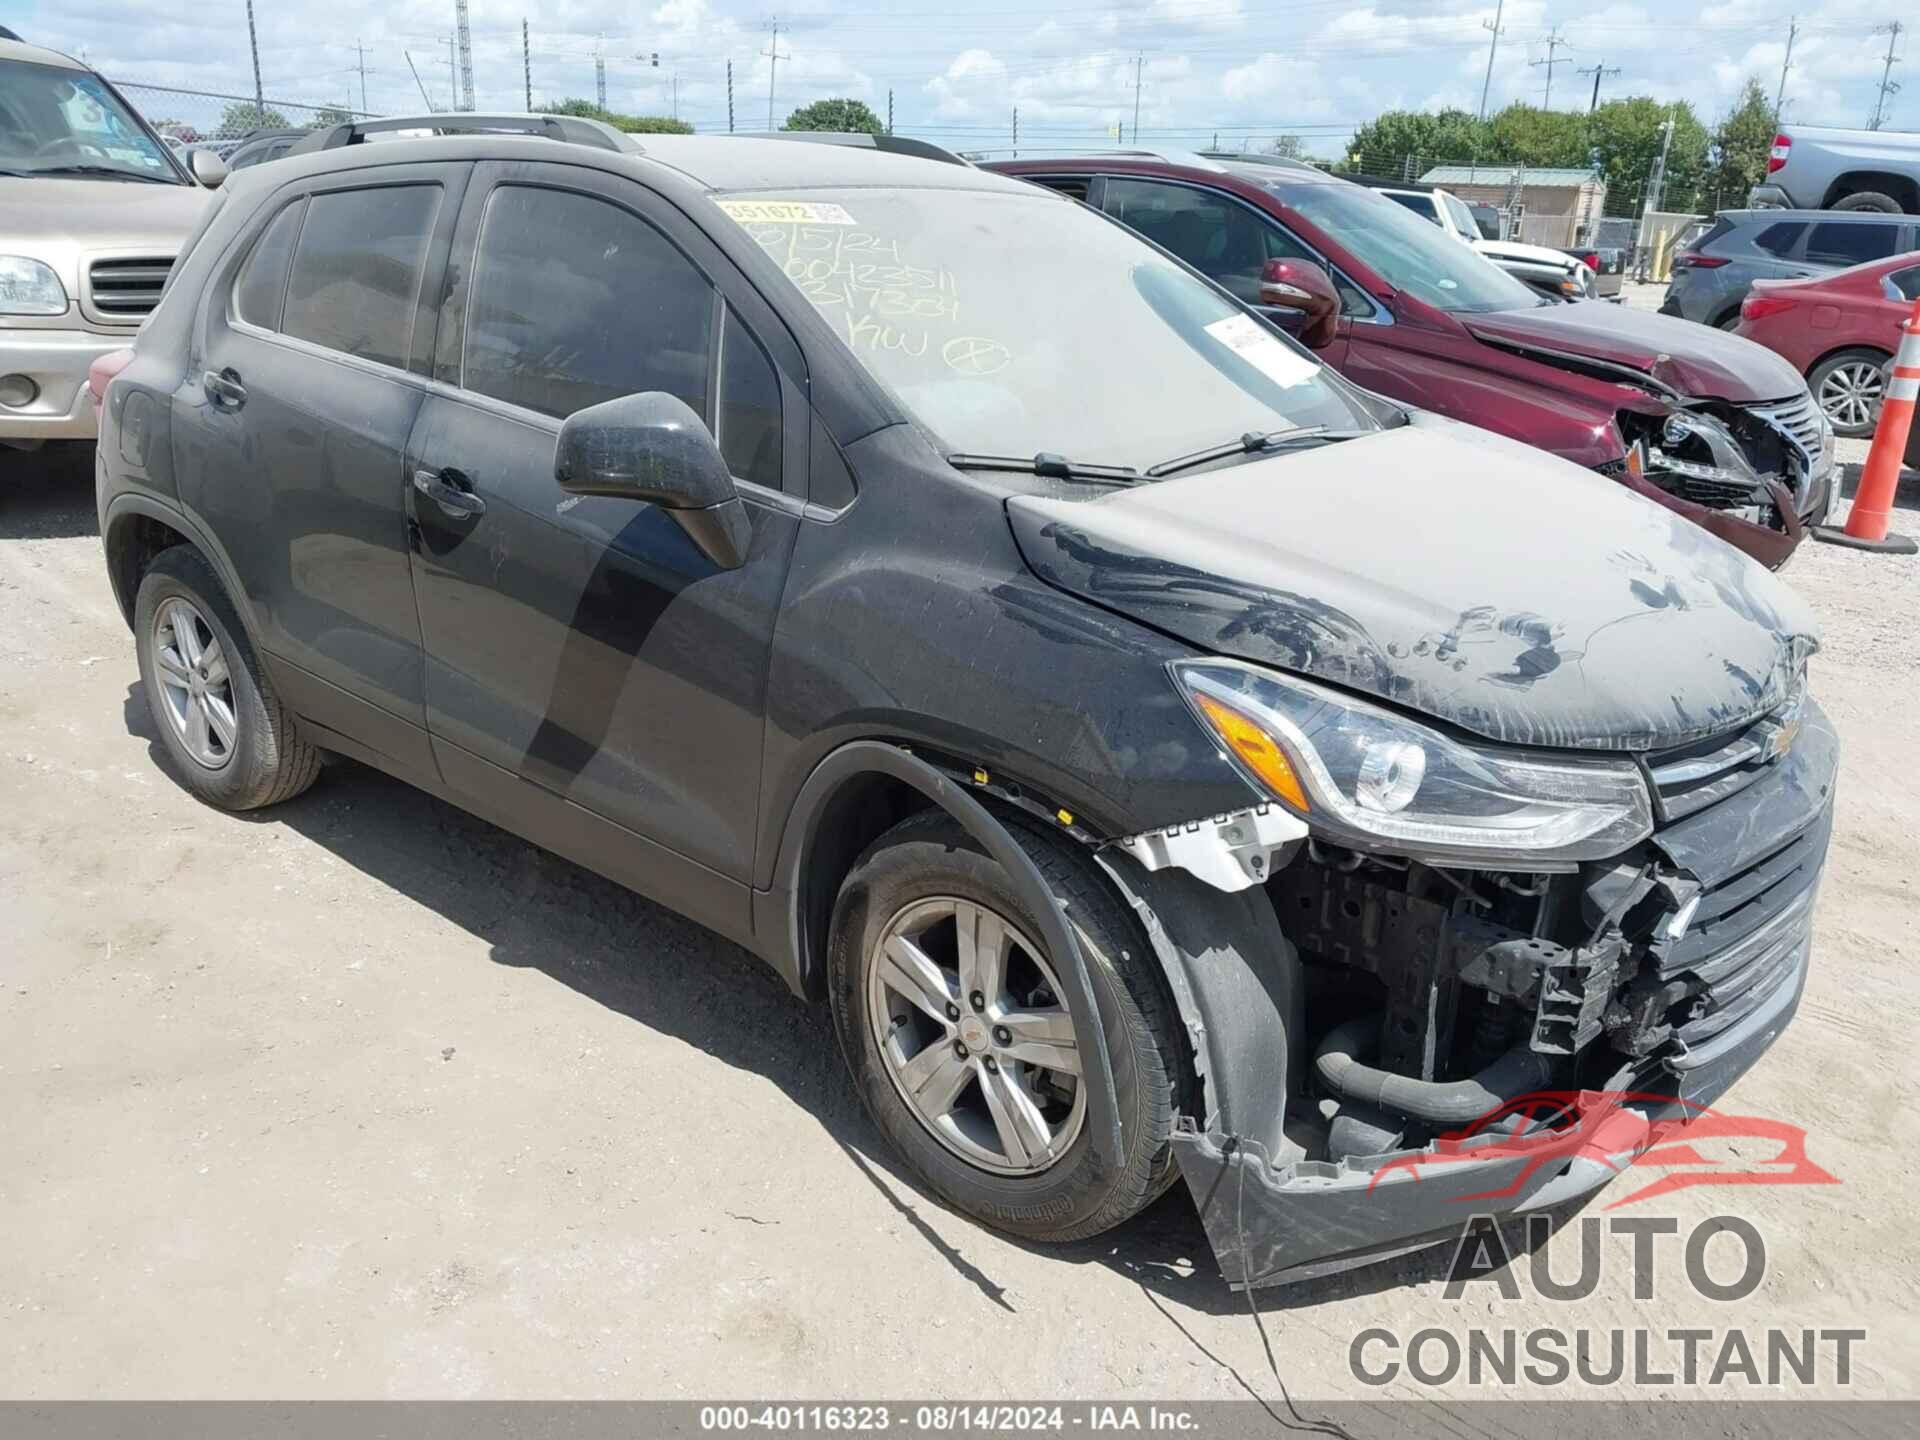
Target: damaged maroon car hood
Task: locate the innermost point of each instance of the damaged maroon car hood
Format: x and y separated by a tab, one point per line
1448	570
1695	360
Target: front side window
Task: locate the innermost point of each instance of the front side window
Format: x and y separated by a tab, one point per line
1223	240
749	418
1463	220
59	122
575	301
1841	243
262	285
1407	253
1009	324
1906	283
356	272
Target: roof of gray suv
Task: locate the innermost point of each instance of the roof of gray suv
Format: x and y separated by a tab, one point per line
1842	217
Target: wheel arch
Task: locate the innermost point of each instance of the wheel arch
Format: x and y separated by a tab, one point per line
1832	352
837	813
1901	187
137	527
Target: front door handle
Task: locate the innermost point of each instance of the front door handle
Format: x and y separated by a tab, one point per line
223	387
450	490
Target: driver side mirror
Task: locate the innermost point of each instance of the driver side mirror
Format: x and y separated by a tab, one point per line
654	448
1304	286
208	168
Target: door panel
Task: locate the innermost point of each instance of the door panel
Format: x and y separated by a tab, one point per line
294	451
585	645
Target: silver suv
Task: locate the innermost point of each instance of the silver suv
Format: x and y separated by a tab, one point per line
93	209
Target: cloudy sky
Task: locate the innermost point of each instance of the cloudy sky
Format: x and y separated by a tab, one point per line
1241	69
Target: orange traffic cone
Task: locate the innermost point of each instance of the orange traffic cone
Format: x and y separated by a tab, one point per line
1873	501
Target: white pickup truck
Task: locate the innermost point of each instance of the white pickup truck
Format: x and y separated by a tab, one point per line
1810	168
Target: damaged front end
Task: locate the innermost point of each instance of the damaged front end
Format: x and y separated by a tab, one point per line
1755	475
1439	1003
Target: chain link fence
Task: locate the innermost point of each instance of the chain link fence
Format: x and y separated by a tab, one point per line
191	117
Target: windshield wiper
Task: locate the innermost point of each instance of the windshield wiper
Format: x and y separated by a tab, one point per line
1047	463
1255	442
104	172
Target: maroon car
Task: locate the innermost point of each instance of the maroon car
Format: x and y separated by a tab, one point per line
1705	423
1839	330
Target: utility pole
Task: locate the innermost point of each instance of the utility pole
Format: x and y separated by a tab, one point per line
466	53
1888	85
772	52
453	73
1139	66
1780	94
418	81
253	40
600	72
889	110
729	97
1596	70
526	65
1554	46
1492	50
1016	127
673	80
361	50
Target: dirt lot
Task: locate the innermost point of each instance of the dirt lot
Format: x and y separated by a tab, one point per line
362	1097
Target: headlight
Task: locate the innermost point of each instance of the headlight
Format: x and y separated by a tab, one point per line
1366	777
29	288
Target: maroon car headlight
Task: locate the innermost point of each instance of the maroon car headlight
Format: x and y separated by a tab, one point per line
1373	779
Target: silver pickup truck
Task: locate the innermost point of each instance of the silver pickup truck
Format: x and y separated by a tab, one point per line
1810	168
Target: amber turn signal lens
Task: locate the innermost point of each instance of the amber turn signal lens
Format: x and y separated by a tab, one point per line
1256	749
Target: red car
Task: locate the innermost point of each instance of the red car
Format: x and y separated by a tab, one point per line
1706	424
1839	330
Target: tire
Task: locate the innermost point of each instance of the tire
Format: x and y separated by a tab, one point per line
1872	200
265	759
925	861
1849	385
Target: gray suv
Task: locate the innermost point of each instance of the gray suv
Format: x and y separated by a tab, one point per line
1712	276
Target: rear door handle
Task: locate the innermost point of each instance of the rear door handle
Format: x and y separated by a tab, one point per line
451	491
224	388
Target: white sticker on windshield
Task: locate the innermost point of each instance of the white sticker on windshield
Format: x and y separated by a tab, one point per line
1248	339
785	212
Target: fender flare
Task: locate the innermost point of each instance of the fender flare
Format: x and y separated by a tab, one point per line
781	906
174	518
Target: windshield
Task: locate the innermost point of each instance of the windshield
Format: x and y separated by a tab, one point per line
1408	253
53	120
1012	324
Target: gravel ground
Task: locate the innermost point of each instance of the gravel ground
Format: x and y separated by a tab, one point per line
362	1097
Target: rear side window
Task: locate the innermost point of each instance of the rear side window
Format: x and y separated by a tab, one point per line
576	301
749	419
263	280
1838	242
1906	282
1222	239
1421	205
1075	186
356	272
1779	237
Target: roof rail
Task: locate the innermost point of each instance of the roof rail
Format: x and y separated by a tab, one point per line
570	129
859	140
1191	158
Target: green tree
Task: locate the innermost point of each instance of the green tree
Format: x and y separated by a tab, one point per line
838	115
1626	136
330	115
1528	135
242	116
1444	137
632	124
1737	159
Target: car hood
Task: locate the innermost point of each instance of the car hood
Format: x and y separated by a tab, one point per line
1450	571
1532	254
57	221
1697	361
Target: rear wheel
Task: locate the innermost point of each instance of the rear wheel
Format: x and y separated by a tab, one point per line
960	1038
1872	200
1849	386
233	744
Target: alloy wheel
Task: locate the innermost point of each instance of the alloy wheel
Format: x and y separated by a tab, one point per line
196	688
969	1019
1851	393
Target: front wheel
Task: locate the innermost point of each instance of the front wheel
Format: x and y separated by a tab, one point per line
957	1030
